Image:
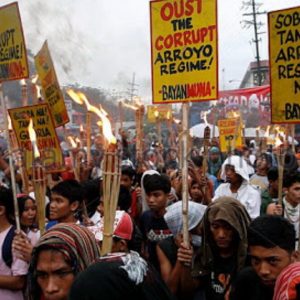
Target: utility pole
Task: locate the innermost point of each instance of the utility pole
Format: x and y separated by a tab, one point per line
253	22
132	88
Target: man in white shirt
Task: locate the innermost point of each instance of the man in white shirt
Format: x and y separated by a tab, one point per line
234	173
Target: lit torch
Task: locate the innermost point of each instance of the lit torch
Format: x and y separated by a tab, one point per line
38	178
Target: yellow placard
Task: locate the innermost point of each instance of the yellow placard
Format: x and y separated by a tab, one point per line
13	57
47	140
158	112
50	87
184	50
284	53
230	134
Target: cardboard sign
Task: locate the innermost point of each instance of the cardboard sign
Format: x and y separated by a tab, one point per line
164	112
47	140
284	53
230	134
184	50
50	86
13	56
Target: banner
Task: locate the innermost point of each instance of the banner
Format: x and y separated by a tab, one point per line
13	56
161	112
184	50
230	134
284	53
47	140
50	86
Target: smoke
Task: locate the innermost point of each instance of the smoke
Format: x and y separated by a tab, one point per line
70	47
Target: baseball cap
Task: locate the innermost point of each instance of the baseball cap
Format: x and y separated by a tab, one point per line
123	227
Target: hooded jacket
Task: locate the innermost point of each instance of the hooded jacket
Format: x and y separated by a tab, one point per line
234	213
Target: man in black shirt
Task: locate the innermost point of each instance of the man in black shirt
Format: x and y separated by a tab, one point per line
271	241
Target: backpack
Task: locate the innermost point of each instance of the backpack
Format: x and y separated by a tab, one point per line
7	245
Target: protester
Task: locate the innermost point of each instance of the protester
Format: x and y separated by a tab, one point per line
25	240
127	180
271	194
262	165
59	256
214	162
288	283
291	201
224	247
271	241
122	276
176	258
66	202
13	270
152	224
234	172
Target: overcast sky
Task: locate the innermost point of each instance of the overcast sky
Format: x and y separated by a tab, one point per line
102	43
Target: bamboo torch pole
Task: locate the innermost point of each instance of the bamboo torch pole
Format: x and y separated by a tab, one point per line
185	193
88	136
11	163
38	178
111	187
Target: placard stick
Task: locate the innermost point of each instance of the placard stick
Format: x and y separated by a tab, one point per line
185	193
11	163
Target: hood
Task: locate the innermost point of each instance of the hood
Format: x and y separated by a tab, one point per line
240	166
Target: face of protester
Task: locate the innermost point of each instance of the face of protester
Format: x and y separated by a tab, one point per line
231	176
157	200
214	157
61	209
222	234
269	262
293	194
28	217
126	181
195	192
54	275
261	164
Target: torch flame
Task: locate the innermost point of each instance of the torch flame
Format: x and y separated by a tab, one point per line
156	113
169	114
32	136
72	142
35	79
22	82
129	106
99	123
204	117
267	133
278	141
80	98
81	128
75	96
9	122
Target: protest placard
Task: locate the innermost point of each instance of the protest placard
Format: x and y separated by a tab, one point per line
184	50
13	56
47	140
284	53
50	87
230	134
161	112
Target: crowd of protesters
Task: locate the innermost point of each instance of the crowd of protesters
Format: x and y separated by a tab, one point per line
243	241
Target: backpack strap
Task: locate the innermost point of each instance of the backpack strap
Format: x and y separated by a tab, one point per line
7	245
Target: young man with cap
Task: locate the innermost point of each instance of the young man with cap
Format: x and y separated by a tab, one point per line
122	235
271	241
174	256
